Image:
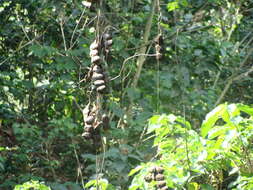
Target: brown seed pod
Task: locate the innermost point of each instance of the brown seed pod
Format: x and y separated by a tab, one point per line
94	45
159	177
106	122
97	69
159	39
107	36
95	59
97	76
153	170
159	170
87	135
99	82
90	119
161	184
93	52
158	52
108	43
101	88
148	178
88	128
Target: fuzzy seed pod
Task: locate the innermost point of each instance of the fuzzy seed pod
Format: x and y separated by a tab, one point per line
148	178
101	88
86	135
159	39
106	122
97	69
159	170
99	82
159	177
107	36
97	76
161	184
93	52
89	120
153	170
95	59
94	45
108	43
88	128
158	49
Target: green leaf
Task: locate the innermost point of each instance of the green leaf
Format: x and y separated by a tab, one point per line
172	6
217	131
193	186
206	187
90	183
245	108
184	3
135	170
211	119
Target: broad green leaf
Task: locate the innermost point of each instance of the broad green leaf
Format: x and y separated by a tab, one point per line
245	108
211	119
217	131
90	183
135	170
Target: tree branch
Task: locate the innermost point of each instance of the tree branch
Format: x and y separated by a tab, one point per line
141	59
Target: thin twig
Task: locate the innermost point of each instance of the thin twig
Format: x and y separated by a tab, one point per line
77	24
127	59
234	77
85	24
20	48
63	35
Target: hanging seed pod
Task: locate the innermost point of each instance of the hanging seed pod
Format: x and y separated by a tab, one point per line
161	184
106	122
97	69
159	177
158	52
94	45
88	128
101	88
159	39
158	48
93	52
89	120
153	170
99	82
95	59
148	178
97	76
159	170
108	43
87	135
107	36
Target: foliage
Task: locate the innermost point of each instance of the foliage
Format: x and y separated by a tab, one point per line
32	184
193	161
207	60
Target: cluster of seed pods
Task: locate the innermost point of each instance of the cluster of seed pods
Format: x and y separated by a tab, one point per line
107	42
156	174
158	48
94	118
93	123
98	74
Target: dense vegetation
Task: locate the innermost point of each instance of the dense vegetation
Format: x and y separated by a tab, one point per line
189	111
